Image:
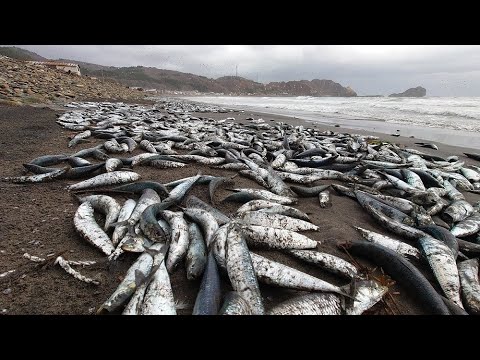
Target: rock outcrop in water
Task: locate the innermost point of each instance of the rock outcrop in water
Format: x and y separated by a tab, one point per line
412	92
315	87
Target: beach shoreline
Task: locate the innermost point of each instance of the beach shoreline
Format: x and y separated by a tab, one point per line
457	138
38	219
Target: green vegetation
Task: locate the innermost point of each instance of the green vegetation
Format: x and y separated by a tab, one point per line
20	54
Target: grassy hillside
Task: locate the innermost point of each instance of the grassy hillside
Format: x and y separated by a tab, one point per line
20	54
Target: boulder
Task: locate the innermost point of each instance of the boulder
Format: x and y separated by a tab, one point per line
412	92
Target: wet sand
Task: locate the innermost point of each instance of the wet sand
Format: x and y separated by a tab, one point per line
38	219
429	134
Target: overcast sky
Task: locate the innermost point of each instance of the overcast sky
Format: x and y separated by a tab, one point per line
444	70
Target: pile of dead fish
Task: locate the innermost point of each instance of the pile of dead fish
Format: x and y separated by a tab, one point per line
412	194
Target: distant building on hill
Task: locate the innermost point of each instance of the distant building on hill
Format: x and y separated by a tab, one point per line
67	67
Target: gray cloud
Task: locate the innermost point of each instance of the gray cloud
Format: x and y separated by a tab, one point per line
369	69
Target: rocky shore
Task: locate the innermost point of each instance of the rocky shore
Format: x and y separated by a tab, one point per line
22	83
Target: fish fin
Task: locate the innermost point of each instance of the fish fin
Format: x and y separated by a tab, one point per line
152	252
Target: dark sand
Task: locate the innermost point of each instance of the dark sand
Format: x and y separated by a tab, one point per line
38	219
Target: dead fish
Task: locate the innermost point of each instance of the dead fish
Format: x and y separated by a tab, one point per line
324	199
206	221
274	273
208	298
459	210
128	285
194	202
105	205
78	161
241	270
125	212
147	146
399	247
367	293
473	156
467	227
158	299
403	272
272	208
468	272
254	176
48	160
111	178
218	245
36	178
134	305
139	186
180	240
179	192
275	221
442	262
328	262
303	191
427	145
196	258
148	198
309	304
267	195
394	226
79	137
235	304
88	228
263	236
113	164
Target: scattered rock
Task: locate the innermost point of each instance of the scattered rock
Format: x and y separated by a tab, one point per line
6	291
412	92
22	83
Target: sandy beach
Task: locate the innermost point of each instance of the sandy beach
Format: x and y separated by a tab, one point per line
38	219
437	134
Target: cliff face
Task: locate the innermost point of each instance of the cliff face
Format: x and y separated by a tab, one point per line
412	92
315	87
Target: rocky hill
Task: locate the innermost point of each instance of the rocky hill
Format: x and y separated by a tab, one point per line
412	92
23	83
20	54
153	78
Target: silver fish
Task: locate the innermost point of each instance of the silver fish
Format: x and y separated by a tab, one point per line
85	224
442	262
241	270
468	272
197	253
111	178
105	205
329	262
399	247
273	273
275	221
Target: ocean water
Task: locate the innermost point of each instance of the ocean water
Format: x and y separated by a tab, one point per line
451	120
